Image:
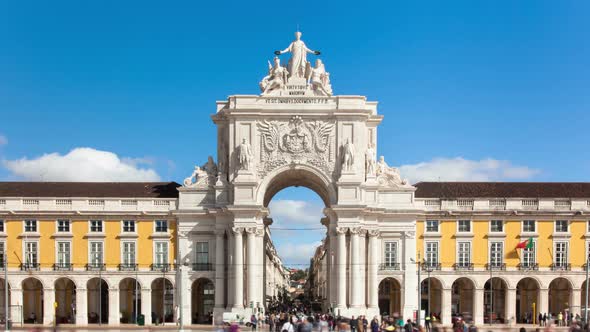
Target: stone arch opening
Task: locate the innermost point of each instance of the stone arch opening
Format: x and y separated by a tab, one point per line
390	297
463	298
431	297
495	300
560	296
202	301
32	301
527	293
162	301
298	176
98	301
3	309
65	297
129	300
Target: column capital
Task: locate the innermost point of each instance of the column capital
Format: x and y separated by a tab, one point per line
373	232
355	230
237	230
254	230
341	230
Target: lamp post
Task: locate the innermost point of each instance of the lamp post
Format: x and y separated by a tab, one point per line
428	267
419	290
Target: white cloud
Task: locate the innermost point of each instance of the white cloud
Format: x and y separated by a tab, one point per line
286	212
81	164
297	254
3	140
460	169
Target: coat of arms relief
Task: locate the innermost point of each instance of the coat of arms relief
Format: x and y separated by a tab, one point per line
296	141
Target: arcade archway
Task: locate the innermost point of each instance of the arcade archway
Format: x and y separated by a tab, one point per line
431	295
527	293
129	300
98	301
65	297
495	300
162	301
32	301
463	292
560	296
389	297
202	301
3	309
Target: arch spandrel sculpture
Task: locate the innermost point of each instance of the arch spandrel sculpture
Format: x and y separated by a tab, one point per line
296	132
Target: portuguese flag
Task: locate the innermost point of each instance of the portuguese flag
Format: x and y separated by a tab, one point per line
528	244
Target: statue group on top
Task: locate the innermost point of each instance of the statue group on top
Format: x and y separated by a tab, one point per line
298	72
203	176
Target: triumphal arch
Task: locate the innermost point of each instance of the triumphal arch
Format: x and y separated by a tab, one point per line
296	132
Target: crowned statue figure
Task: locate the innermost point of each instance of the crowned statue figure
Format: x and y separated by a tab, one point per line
298	61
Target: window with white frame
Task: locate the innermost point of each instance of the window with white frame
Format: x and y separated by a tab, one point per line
390	253
161	226
96	226
464	254
128	226
30	225
497	226
528	226
63	253
202	253
528	258
96	253
431	254
161	253
496	254
464	226
432	226
63	225
561	254
561	226
128	253
31	252
1	226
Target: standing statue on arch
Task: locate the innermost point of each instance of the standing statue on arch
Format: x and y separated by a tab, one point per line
298	61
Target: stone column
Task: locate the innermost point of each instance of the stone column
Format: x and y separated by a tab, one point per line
219	269
356	283
238	268
251	261
478	300
409	287
575	302
16	299
48	308
81	306
543	305
114	306
374	259
146	305
510	305
446	306
341	261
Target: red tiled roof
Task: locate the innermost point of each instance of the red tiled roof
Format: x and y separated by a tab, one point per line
90	189
503	189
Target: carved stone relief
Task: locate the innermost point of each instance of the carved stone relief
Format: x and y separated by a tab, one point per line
296	141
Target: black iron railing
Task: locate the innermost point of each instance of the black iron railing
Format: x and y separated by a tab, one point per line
29	267
202	267
463	266
389	267
496	266
63	267
528	267
127	267
561	267
95	267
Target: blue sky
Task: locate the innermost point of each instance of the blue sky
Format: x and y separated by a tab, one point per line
470	90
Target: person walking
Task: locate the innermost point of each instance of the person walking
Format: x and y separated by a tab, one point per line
353	324
375	324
